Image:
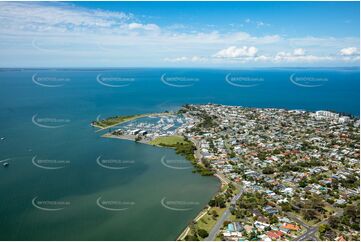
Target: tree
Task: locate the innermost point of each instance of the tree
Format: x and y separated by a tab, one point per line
212	203
268	170
220	201
191	238
329	235
309	214
352	211
323	228
252	235
214	214
286	207
303	183
273	219
203	233
225	223
334	221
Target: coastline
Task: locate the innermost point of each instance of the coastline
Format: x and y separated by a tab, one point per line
203	211
200	122
123	137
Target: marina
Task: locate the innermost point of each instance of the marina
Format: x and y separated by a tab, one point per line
148	128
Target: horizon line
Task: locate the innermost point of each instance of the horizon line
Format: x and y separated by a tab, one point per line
186	67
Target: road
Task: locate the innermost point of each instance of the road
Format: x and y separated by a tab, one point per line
310	233
226	214
297	220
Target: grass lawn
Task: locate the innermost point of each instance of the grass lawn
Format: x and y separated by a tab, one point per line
330	209
224	188
168	140
233	218
207	222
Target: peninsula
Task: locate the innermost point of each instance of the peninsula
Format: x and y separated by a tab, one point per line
286	174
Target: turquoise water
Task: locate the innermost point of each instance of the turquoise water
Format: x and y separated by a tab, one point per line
52	124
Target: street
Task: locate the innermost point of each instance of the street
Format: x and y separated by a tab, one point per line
215	230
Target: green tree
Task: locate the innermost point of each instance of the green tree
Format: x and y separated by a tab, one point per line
309	214
286	207
303	183
214	214
191	238
273	219
323	228
268	170
202	233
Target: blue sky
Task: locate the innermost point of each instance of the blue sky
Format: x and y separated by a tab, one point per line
179	34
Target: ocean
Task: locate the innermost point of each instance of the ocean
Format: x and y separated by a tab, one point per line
54	187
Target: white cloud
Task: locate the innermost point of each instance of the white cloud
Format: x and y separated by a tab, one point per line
198	59
177	59
350	54
263	58
234	52
244	55
31	32
186	59
246	38
249	54
298	55
257	23
149	27
298	52
350	58
39	17
350	51
261	24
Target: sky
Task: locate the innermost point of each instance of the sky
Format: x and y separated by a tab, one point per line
179	34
